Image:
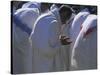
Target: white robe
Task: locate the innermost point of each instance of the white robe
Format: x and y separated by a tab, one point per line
84	53
32	5
28	15
53	7
55	10
45	39
66	48
22	52
77	24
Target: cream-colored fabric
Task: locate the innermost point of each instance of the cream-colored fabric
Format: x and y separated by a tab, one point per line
84	53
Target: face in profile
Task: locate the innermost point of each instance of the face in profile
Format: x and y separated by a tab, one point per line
65	13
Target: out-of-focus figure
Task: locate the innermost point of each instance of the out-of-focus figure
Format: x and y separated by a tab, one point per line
77	24
45	39
84	52
66	19
23	21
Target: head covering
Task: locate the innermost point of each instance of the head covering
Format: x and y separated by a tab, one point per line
89	25
67	7
25	19
55	10
53	7
31	5
85	48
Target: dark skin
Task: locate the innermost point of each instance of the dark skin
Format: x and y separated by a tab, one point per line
65	40
65	15
45	6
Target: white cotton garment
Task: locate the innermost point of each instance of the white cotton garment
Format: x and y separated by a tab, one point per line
55	11
84	53
77	24
65	49
22	52
53	7
28	16
32	5
45	39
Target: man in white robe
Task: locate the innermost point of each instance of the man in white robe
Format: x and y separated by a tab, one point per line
84	53
73	28
77	24
45	39
23	22
65	49
35	5
55	10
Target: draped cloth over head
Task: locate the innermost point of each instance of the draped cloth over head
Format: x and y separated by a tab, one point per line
28	16
23	21
32	5
84	53
46	43
77	24
53	7
55	11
